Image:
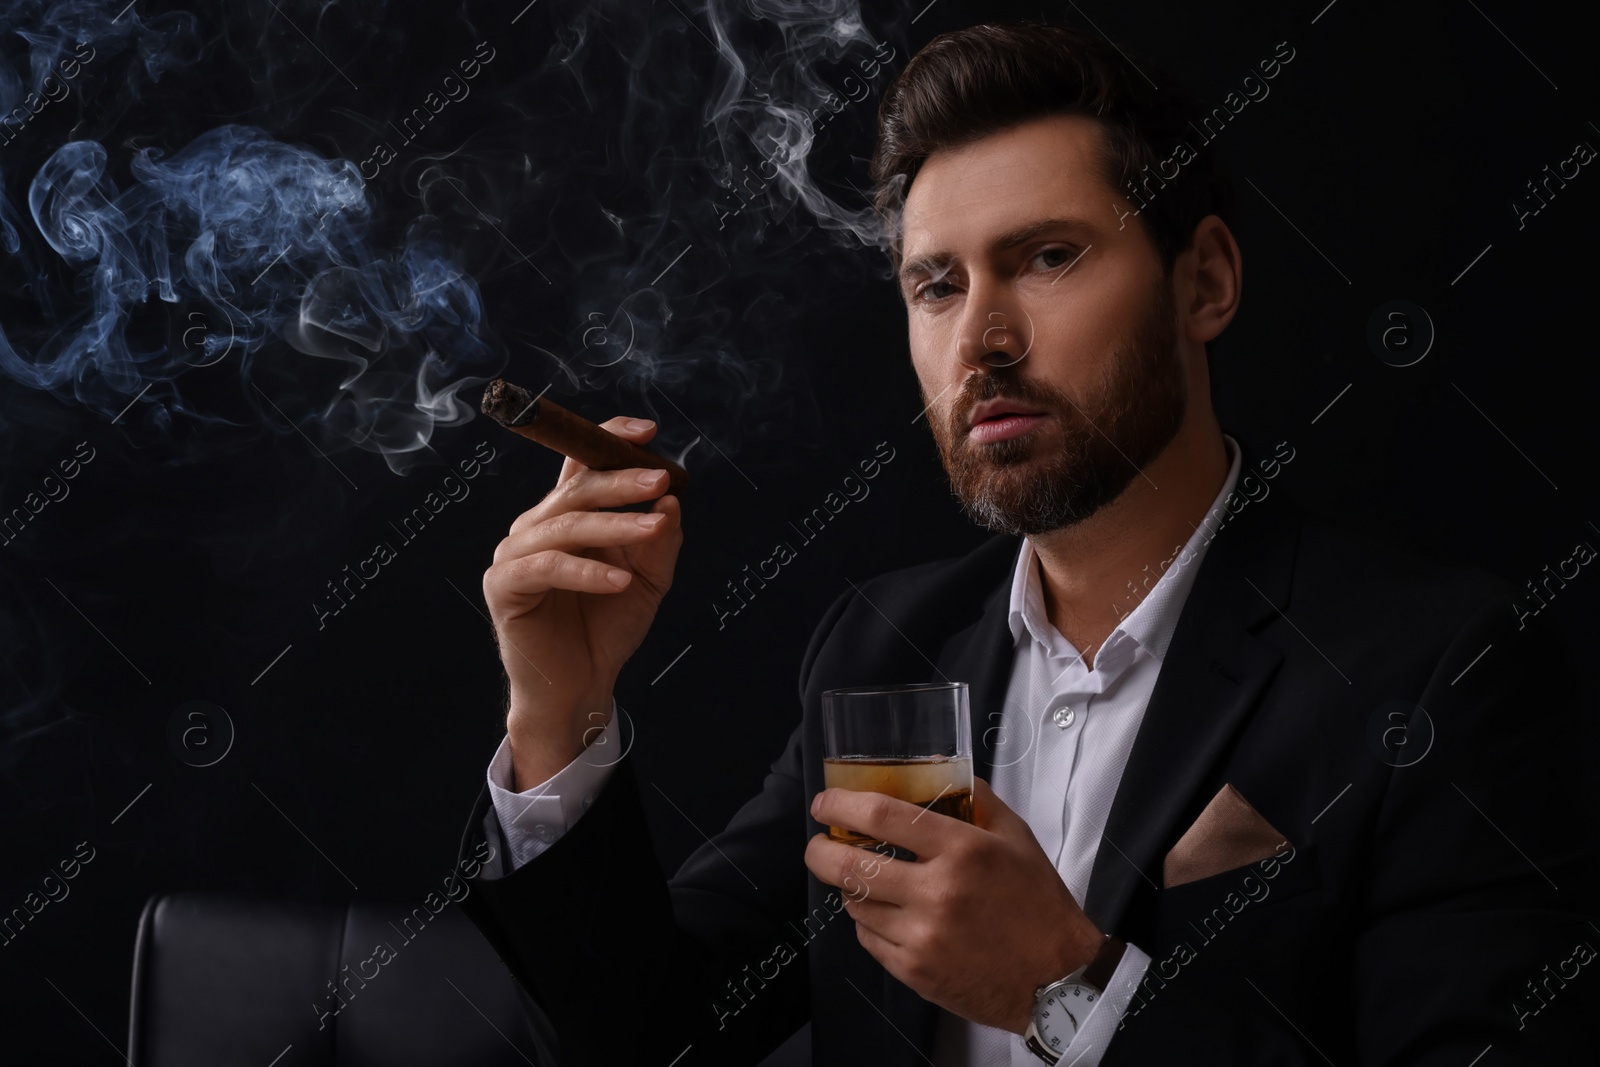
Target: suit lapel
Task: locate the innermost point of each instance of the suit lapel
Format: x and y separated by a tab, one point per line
980	655
1213	673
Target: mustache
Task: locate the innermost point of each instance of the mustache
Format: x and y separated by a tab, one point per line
998	387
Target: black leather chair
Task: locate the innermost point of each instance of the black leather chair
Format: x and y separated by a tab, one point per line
224	979
221	979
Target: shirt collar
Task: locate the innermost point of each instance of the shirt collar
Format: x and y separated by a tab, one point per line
1151	623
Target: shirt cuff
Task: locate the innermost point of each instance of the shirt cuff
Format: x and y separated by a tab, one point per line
1089	1044
533	819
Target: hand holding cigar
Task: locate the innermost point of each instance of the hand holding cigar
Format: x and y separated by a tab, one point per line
572	435
575	584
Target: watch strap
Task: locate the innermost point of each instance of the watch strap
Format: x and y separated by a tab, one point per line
1099	970
1038	1047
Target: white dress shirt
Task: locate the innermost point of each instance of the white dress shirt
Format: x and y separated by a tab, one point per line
1063	738
1060	745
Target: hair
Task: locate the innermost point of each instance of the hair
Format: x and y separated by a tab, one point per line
969	83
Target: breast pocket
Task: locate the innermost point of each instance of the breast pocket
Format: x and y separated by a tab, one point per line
1215	902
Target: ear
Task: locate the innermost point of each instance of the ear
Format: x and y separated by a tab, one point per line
1209	278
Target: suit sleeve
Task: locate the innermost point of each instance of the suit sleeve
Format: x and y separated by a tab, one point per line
1483	896
622	965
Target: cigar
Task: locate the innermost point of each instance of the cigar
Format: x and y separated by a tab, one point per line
571	434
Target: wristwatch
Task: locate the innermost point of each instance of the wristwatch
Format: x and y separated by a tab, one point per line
1060	1007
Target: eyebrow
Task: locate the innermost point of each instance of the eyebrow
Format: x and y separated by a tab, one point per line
1010	239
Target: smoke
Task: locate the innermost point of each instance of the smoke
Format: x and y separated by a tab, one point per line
56	34
694	173
773	110
264	242
246	221
259	249
684	206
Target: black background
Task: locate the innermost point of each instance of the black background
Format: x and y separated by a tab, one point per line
186	558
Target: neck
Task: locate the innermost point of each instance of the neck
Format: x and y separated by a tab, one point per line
1095	572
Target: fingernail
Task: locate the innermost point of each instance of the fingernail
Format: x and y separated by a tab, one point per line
649	520
617	577
640	425
814	802
651	477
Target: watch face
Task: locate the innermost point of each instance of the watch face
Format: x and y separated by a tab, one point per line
1063	1009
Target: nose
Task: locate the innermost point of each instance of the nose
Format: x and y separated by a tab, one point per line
996	331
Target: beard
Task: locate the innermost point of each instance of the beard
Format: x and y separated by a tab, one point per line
1026	486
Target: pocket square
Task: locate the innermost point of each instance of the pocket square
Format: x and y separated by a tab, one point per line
1229	833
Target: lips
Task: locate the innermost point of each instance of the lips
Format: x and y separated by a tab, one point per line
1000	408
1001	419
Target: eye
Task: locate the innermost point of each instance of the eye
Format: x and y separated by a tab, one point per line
927	289
1055	258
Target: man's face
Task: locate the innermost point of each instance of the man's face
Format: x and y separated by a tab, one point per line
1022	292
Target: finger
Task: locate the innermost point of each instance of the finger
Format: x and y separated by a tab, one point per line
669	506
576	531
637	430
540	572
889	922
860	873
880	948
913	826
591	490
654	558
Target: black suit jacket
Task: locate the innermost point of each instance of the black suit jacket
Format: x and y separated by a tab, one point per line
1429	911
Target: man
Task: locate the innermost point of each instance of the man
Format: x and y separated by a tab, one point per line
1251	790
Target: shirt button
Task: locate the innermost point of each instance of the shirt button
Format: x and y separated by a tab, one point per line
544	832
1063	716
588	798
